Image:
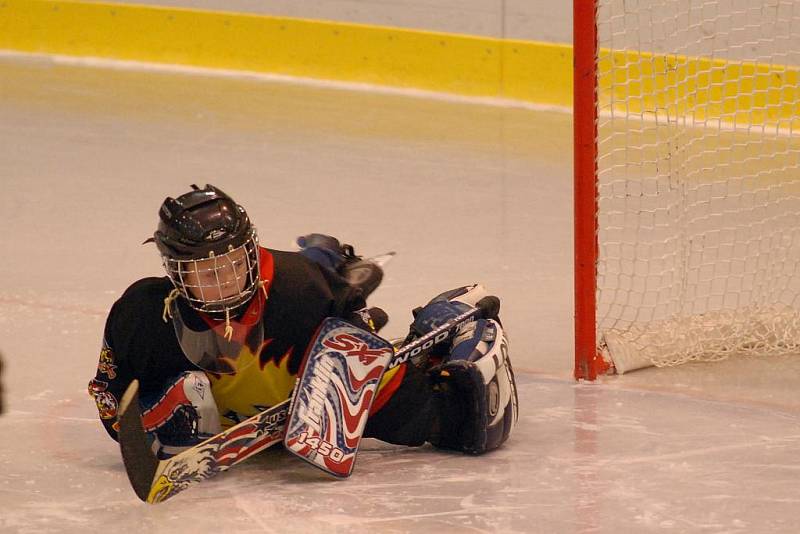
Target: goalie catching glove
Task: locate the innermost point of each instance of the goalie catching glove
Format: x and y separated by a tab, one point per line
475	395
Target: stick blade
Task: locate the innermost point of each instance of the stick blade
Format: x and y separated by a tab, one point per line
140	462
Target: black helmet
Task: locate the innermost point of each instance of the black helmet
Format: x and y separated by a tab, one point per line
200	222
205	231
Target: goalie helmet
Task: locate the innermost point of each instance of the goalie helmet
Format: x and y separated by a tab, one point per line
209	250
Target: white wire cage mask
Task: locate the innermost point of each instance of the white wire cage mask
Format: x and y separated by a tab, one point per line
219	283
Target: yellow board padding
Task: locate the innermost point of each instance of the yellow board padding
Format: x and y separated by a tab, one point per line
670	86
459	64
703	90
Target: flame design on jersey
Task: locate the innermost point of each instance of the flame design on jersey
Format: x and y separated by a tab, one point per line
254	384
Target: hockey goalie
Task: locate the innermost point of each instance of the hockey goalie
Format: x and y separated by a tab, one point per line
223	337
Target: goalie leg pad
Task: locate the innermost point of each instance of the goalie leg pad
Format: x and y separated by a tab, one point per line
184	414
475	391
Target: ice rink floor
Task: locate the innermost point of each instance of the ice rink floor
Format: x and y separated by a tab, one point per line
464	193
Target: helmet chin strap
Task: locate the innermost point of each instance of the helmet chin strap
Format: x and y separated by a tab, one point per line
167	313
262	285
175	293
228	328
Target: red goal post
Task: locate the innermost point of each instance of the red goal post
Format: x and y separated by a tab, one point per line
588	363
687	181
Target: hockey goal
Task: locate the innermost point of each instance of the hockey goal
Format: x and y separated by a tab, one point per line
687	181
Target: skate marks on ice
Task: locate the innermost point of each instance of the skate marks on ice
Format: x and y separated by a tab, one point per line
675	461
393	489
583	457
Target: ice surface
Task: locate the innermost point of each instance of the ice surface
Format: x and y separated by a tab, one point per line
463	193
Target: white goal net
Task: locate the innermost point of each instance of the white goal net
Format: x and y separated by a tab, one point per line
698	177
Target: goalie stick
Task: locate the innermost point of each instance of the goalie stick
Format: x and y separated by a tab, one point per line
155	480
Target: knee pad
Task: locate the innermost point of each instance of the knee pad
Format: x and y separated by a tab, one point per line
475	391
183	415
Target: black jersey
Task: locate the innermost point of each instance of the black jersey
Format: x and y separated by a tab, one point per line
139	344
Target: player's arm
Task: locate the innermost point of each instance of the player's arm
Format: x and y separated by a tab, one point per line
111	379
